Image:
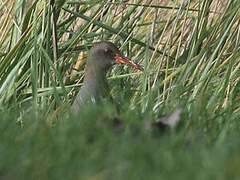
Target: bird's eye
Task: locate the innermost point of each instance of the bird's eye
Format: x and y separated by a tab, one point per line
107	51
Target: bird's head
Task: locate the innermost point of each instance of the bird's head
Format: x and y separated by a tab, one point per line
104	54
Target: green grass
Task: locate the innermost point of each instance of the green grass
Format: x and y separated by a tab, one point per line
190	54
89	147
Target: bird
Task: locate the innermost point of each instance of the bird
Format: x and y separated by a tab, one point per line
102	56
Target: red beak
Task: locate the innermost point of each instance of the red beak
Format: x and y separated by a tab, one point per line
124	60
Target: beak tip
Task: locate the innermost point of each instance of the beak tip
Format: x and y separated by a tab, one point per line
124	60
140	68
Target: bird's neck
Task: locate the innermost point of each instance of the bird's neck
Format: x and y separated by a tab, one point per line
94	87
95	79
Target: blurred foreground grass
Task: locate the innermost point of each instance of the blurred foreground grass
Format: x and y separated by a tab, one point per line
89	148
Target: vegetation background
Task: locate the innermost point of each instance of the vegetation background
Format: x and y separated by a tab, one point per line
191	57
